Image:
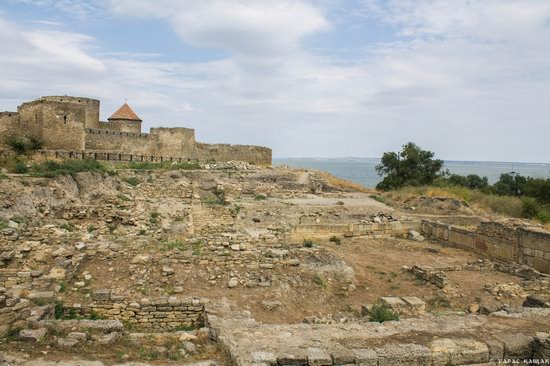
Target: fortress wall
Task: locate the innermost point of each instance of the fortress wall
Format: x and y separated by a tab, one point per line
8	124
122	126
90	107
115	141
173	142
62	126
31	119
224	152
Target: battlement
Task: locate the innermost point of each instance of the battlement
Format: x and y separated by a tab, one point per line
72	123
101	131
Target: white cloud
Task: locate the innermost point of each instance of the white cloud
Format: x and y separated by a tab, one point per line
255	28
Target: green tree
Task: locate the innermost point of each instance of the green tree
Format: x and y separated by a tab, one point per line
412	166
510	185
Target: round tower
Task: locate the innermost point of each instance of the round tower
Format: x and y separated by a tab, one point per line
125	120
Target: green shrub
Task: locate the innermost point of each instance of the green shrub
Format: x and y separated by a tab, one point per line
52	169
133	181
308	243
379	198
319	281
260	197
20	168
381	312
335	240
24	145
59	311
217	199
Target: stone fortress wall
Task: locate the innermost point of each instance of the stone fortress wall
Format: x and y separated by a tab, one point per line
72	123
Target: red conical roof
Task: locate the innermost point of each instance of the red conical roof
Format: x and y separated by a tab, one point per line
125	112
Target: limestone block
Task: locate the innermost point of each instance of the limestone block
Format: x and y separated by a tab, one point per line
415	303
365	357
101	295
317	356
458	351
404	354
517	345
33	335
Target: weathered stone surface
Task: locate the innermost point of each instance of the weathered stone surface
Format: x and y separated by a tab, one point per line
318	356
33	335
517	345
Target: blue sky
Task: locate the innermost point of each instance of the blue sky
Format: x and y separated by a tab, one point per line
468	79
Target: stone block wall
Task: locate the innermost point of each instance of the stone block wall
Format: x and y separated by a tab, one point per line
8	123
523	245
535	248
116	141
13	310
224	152
351	230
161	313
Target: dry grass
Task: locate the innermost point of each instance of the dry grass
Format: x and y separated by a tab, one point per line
501	205
344	184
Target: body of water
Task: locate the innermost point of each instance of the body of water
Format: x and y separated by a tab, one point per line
362	170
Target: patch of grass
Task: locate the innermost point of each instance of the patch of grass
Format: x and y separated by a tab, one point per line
379	198
395	286
69	227
319	281
3	224
91	228
154	217
439	301
59	310
133	181
184	328
123	197
112	227
260	197
142	232
336	240
174	245
3	176
197	248
52	169
18	219
24	145
218	198
20	168
13	334
381	312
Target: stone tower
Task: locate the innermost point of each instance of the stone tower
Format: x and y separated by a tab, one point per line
125	120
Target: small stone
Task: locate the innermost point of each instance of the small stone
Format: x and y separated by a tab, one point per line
233	282
67	342
189	347
101	295
167	271
473	308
